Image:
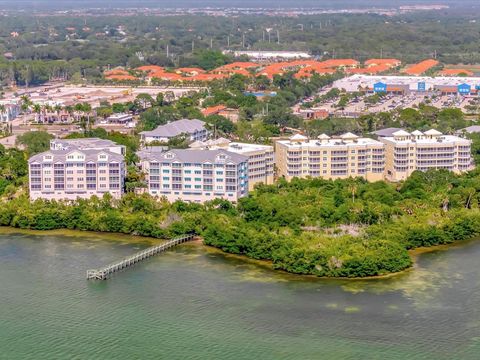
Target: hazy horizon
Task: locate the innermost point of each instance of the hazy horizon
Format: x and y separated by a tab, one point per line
328	4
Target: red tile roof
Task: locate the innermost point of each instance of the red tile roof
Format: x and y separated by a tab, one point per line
421	67
120	77
190	70
387	62
455	72
115	72
212	110
151	68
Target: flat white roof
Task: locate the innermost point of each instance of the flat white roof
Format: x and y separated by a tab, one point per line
352	83
332	142
242	148
444	139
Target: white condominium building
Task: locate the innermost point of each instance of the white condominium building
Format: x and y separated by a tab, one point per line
261	161
407	152
196	175
77	168
330	157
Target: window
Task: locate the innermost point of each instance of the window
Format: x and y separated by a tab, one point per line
198	179
166	171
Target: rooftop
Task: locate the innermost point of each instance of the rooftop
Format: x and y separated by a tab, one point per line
175	128
331	142
431	136
81	144
91	155
386	132
196	156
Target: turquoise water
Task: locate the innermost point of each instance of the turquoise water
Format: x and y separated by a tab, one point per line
194	303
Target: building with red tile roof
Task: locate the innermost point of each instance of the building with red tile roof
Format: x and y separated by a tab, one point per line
151	68
341	63
387	62
116	71
120	77
455	72
213	110
421	67
190	71
371	70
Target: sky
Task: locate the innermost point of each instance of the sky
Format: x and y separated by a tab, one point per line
68	4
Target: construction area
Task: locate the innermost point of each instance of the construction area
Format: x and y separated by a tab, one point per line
69	95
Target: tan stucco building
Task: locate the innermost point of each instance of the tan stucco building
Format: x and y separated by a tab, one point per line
407	152
330	157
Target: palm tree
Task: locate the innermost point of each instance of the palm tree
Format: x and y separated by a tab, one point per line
37	109
57	108
26	102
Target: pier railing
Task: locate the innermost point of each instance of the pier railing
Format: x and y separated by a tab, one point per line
103	273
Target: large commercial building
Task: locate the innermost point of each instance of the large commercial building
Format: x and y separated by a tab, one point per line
331	158
269	55
261	161
77	168
407	152
410	84
196	175
193	129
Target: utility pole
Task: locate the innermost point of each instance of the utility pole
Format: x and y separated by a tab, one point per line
278	37
211	43
168	51
228	41
381	53
243	40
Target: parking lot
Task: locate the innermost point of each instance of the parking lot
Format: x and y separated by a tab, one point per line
360	104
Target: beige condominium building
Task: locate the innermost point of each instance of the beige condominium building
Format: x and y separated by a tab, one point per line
195	175
261	161
330	157
78	168
407	152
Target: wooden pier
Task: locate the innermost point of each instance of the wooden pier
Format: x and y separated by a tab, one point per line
103	273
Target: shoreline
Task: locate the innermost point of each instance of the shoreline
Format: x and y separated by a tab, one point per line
266	264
